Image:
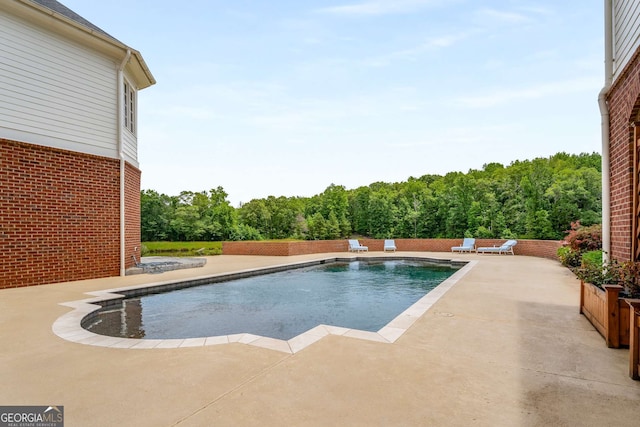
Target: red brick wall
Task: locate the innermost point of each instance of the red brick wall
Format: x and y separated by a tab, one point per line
131	214
623	102
283	248
59	215
538	248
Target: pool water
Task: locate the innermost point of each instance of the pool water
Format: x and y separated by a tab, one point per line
355	295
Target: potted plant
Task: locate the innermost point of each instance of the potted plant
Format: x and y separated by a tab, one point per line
629	278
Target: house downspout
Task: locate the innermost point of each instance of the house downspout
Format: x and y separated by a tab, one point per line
121	158
604	113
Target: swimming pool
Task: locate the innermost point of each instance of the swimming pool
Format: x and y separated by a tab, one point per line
364	294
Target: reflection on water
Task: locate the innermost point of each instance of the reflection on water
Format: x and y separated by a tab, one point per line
126	319
356	295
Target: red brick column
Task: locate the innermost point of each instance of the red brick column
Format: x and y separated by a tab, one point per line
132	214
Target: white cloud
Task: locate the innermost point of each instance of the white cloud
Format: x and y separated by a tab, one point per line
315	116
185	111
414	52
463	135
507	17
538	10
379	7
506	96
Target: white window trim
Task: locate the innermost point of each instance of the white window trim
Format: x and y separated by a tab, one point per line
130	108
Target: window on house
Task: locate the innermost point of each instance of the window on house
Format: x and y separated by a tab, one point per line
129	107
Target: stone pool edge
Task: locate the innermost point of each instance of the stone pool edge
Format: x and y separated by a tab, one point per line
69	326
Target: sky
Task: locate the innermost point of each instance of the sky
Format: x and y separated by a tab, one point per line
284	98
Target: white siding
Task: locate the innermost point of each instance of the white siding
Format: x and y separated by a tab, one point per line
626	33
130	147
55	92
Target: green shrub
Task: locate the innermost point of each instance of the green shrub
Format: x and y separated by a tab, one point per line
583	239
484	233
245	232
181	249
580	240
593	270
592	259
568	257
508	234
629	278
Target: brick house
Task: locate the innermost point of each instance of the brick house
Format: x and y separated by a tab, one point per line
69	177
619	103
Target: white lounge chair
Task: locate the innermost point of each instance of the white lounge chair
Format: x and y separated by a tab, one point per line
390	245
355	246
506	248
468	245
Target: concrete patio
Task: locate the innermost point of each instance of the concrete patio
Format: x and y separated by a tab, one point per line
505	346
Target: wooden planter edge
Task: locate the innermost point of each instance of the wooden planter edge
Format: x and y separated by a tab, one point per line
608	323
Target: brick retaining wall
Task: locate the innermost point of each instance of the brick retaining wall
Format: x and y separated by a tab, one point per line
538	248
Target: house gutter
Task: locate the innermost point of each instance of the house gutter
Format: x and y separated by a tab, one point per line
604	114
121	158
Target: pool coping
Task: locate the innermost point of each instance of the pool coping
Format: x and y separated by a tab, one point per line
69	325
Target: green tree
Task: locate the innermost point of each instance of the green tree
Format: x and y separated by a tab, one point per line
187	224
538	225
459	199
317	226
220	217
412	203
283	212
156	213
536	198
382	214
359	209
244	232
256	215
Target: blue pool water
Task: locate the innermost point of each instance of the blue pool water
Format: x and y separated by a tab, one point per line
356	295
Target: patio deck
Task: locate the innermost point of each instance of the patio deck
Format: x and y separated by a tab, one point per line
504	346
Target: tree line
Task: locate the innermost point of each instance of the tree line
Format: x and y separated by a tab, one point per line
531	199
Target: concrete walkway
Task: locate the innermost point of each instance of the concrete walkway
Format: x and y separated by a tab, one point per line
505	346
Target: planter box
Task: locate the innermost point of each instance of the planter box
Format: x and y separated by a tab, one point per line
634	339
607	312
